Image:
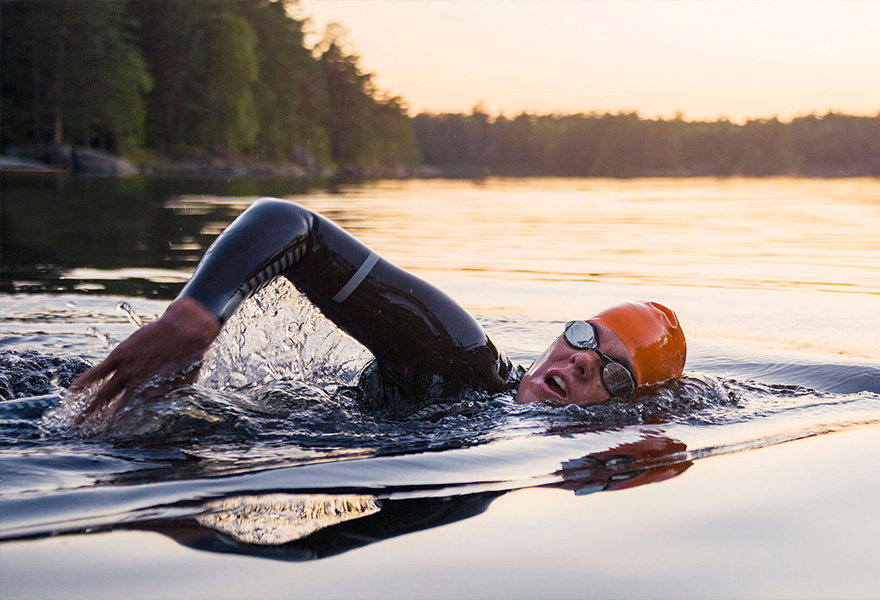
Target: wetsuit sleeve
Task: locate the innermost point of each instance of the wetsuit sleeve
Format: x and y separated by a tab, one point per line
413	329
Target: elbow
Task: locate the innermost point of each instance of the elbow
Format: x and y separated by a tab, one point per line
274	207
273	212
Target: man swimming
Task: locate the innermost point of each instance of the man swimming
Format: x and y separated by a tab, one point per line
426	346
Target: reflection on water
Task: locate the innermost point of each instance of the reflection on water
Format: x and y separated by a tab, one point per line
774	279
294	525
805	234
765	233
276	519
793	255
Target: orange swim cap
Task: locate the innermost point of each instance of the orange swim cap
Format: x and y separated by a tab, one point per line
653	336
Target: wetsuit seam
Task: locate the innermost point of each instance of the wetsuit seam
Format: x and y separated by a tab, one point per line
264	274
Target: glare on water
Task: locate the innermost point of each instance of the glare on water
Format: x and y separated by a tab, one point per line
775	280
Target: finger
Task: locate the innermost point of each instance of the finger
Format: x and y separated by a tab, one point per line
106	393
91	408
94	374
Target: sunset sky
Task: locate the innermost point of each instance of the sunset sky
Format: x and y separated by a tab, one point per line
705	59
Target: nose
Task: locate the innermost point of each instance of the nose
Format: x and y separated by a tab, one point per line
586	362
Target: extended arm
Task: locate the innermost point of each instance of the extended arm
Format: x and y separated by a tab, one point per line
415	331
408	324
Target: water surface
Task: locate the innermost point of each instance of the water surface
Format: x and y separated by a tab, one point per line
751	477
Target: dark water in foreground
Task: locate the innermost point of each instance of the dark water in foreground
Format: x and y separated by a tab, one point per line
752	477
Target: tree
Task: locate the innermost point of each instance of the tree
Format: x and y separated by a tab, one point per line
231	70
79	70
173	42
349	91
291	97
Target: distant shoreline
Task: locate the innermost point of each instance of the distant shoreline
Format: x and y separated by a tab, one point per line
94	163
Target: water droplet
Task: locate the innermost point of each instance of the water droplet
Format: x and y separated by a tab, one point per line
133	317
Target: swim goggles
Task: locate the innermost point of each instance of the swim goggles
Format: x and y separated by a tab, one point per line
616	378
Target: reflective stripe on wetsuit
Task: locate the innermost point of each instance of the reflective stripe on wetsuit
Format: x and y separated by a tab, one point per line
357	278
425	343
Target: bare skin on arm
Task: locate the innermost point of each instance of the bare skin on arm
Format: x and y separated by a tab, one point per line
170	347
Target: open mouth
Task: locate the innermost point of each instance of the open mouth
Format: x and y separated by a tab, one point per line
556	384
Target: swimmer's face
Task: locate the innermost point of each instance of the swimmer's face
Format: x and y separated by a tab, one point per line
566	375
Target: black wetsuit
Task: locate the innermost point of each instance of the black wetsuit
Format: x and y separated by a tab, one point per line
426	346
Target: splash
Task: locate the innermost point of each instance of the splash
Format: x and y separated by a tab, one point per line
279	335
278	379
133	318
29	373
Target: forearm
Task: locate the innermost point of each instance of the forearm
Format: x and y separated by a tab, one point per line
187	319
259	245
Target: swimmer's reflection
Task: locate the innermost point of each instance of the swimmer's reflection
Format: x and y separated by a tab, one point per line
296	527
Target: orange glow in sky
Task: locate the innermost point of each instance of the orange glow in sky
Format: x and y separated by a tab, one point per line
703	59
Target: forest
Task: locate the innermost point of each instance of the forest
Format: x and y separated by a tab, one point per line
178	78
158	81
625	145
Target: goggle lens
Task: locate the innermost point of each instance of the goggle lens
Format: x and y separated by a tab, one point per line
581	335
615	377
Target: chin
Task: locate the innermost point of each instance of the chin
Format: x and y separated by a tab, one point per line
524	396
527	397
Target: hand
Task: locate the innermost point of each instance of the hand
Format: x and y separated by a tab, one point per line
169	348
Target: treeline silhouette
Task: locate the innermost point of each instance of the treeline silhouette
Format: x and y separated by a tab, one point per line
157	79
624	145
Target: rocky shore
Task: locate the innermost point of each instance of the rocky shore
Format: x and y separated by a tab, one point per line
79	160
87	161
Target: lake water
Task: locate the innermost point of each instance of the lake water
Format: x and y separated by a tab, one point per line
755	476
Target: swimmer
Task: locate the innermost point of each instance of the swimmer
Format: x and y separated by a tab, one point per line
426	346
